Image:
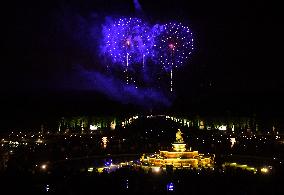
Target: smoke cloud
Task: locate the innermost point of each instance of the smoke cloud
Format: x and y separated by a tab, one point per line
138	7
85	35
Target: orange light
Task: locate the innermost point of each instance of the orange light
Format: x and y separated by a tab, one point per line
43	167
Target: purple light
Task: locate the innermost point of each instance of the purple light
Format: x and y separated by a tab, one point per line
108	162
126	40
128	43
173	45
170	186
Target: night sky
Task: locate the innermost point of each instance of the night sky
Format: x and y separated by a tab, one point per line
235	67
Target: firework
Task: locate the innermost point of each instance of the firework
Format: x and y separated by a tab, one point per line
125	40
173	45
130	41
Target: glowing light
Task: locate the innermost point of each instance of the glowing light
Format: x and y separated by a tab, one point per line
128	42
171	46
43	167
201	125
112	125
233	141
90	169
47	187
264	170
108	163
126	38
156	169
39	141
170	186
222	127
93	127
101	169
175	43
127	184
104	140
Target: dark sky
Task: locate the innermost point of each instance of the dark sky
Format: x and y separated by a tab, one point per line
236	65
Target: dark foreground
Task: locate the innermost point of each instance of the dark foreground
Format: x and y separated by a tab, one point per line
130	180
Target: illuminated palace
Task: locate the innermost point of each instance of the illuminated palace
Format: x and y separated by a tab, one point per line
179	156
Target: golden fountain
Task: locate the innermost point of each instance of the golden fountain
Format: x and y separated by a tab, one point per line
179	156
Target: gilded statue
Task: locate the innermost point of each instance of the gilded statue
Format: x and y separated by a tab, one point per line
179	138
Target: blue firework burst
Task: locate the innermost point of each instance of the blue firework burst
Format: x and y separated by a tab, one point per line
173	45
126	40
